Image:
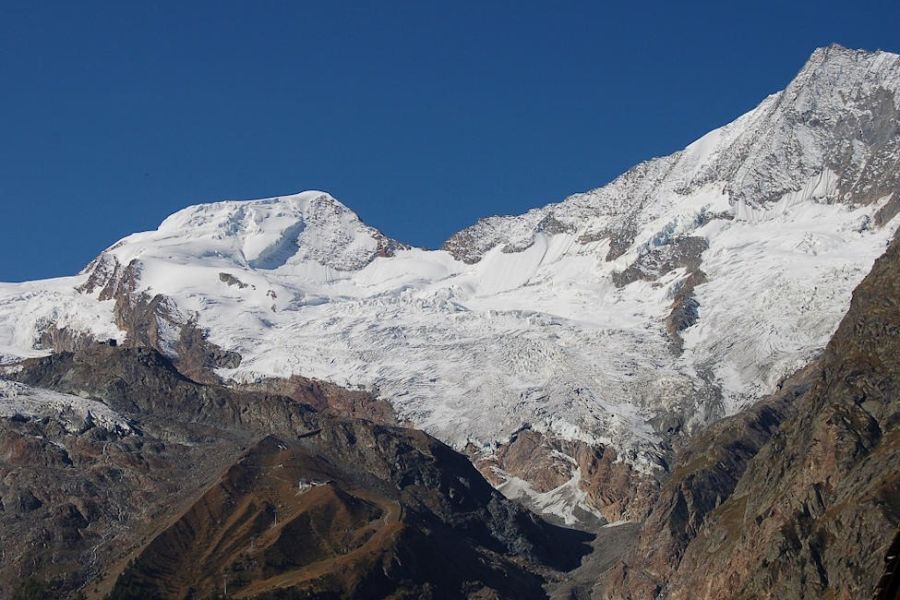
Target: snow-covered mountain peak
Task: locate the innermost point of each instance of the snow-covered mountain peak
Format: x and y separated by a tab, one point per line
839	114
233	217
267	234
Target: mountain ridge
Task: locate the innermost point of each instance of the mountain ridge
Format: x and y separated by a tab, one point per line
601	319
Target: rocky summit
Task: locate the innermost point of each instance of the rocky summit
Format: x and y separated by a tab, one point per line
682	384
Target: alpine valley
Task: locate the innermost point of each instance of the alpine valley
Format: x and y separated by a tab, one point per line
682	384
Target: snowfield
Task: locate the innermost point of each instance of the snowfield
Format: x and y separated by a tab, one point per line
521	320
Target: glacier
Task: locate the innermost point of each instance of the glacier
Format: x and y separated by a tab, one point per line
559	319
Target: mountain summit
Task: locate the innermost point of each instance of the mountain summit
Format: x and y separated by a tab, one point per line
310	227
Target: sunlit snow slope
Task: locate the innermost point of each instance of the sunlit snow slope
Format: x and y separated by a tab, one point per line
678	293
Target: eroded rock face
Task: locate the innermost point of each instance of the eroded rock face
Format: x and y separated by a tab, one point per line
63	339
529	456
614	486
70	500
157	322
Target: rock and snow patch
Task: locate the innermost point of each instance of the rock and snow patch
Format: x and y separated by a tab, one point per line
567	502
76	414
28	310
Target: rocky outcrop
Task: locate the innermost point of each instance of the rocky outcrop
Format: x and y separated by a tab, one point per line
685	309
614	486
63	339
229	279
328	398
682	252
155	321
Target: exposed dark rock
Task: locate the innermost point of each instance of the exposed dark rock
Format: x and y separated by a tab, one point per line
552	226
888	587
620	240
198	357
887	212
329	398
106	273
681	252
229	279
154	321
685	310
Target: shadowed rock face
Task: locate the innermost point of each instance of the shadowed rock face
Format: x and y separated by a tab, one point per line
190	495
798	497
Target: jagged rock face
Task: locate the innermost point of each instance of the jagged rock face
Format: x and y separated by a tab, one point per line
623	318
180	471
814	509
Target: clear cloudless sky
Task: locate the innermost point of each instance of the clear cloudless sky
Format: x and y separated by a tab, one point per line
422	116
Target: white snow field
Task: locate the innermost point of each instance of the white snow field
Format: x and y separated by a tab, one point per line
530	328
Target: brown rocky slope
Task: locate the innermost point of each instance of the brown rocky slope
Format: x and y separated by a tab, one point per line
190	495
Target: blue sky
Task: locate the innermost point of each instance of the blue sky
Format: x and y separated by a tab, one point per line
421	116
